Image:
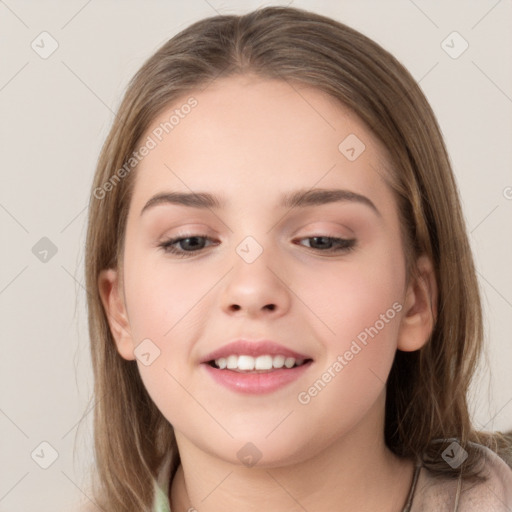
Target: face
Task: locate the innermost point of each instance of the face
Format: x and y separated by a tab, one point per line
322	278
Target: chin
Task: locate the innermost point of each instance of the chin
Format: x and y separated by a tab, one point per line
259	451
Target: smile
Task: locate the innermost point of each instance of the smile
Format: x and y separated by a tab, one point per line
255	367
265	362
242	379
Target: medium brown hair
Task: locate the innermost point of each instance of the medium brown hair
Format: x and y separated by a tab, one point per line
427	389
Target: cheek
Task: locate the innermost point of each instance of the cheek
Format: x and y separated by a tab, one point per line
159	310
353	296
360	307
363	308
162	298
165	305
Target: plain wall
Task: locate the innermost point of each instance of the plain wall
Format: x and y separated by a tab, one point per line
55	114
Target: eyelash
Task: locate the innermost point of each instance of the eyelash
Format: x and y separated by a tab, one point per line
344	245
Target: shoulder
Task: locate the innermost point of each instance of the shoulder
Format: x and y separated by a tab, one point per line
494	494
497	489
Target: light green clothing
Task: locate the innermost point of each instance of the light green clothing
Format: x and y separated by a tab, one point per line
428	493
161	488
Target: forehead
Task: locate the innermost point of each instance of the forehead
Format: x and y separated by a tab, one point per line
247	136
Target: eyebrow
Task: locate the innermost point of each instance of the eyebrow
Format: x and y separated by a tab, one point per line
296	199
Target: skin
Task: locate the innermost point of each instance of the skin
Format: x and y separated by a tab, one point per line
249	140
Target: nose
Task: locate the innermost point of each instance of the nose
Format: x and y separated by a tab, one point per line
256	289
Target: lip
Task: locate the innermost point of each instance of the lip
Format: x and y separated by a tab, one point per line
256	382
254	349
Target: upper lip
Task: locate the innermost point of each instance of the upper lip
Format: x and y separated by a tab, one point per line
254	349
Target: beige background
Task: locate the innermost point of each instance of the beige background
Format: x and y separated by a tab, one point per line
55	114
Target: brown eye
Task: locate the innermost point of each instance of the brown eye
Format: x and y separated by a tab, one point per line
185	244
330	244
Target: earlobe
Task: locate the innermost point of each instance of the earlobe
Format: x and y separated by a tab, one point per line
115	310
420	308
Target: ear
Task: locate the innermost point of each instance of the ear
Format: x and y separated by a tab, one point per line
115	309
420	308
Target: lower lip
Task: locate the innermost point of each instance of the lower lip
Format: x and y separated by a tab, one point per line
256	383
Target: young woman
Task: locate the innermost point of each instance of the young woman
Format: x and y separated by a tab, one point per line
283	306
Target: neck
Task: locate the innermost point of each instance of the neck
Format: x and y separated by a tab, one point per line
354	472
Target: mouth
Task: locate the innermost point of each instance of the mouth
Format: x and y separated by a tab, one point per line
255	367
265	363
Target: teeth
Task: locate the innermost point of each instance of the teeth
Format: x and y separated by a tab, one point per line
232	362
265	362
278	361
289	362
245	363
